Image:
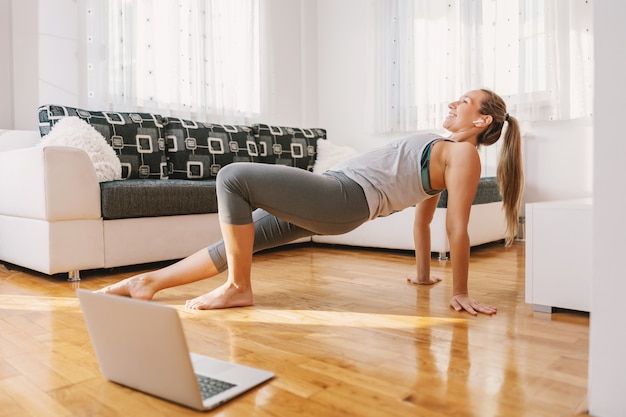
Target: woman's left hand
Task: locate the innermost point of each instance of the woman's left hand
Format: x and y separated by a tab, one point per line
465	302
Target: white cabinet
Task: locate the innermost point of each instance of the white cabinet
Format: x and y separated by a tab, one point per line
558	255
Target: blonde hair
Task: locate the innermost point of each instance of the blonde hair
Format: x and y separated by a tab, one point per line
510	171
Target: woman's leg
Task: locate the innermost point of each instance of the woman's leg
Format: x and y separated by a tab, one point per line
269	232
237	290
143	286
305	199
294	194
319	203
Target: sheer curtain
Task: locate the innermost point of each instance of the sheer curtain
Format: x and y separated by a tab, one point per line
194	59
537	54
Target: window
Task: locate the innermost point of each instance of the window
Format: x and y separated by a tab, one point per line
195	59
537	54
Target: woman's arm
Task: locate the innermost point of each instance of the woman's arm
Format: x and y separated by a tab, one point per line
462	174
424	213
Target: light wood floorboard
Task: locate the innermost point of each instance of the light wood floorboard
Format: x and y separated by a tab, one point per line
344	332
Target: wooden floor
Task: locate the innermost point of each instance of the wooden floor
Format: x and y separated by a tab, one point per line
342	330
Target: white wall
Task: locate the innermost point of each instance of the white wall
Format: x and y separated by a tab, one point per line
6	66
289	93
60	34
18	104
607	357
346	73
42	40
25	59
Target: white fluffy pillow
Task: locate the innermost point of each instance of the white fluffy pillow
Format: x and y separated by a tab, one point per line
76	133
329	154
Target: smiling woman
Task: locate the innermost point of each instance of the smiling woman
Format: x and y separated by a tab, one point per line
263	206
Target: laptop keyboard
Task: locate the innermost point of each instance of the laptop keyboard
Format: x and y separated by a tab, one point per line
210	386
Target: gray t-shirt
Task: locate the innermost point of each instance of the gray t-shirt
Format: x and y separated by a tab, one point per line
391	175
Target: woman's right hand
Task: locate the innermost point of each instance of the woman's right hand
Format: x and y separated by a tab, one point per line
462	302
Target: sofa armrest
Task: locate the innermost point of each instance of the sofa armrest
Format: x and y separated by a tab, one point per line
48	183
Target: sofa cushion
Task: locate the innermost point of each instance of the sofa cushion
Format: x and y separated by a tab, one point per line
137	138
329	154
197	151
292	146
487	192
151	198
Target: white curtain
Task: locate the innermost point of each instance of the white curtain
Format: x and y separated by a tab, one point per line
537	54
194	59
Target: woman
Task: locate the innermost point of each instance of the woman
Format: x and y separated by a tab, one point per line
354	191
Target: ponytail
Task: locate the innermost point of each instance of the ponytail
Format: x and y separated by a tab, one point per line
510	172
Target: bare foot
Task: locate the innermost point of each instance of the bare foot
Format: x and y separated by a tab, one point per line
224	296
139	286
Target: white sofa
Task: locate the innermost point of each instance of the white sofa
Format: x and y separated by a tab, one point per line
51	220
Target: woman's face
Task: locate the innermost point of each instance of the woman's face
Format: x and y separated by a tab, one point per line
464	113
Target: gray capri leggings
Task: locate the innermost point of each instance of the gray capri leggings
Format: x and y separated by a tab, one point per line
290	203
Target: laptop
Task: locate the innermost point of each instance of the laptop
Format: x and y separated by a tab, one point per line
141	345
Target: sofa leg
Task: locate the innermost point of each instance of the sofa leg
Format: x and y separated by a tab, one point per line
443	256
73	276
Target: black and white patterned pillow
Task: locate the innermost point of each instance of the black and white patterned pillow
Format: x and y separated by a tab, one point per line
292	146
197	150
137	138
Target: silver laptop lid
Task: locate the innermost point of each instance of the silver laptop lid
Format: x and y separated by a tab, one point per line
141	345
